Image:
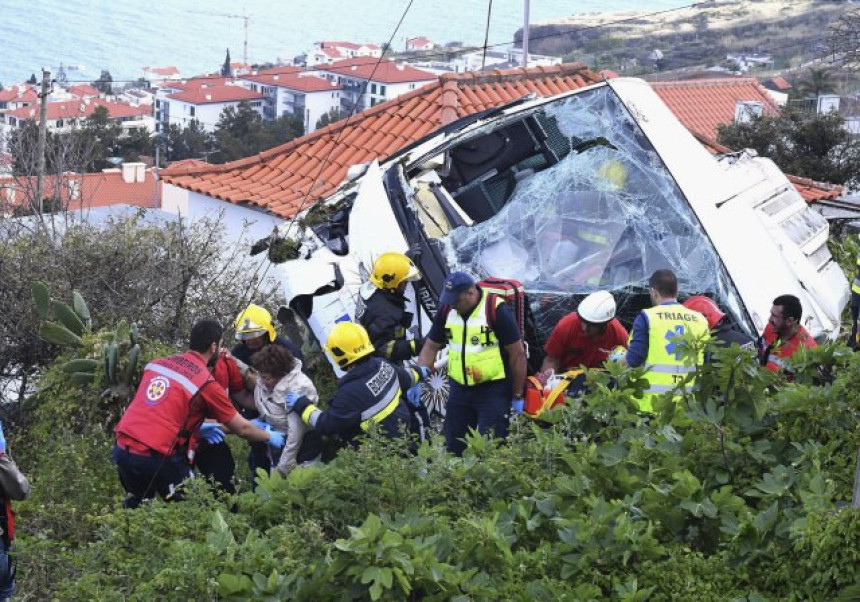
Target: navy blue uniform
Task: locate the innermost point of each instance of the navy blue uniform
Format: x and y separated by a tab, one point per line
486	406
371	389
385	318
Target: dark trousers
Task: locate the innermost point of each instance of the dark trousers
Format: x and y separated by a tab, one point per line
143	477
215	462
259	456
855	315
484	407
7	571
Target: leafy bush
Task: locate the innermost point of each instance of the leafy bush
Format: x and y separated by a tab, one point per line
735	495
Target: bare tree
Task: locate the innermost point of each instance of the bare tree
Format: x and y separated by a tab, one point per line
844	39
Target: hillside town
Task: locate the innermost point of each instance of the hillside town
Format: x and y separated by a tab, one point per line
572	317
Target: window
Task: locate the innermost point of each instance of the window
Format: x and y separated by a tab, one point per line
382	90
157	104
59	123
191	111
373	88
411	86
256	103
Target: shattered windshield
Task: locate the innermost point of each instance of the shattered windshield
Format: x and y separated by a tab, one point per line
603	215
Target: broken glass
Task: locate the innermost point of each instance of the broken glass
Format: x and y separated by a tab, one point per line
604	217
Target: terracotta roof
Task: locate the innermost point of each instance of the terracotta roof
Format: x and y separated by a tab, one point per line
780	83
94	189
16	94
82	90
809	189
293	176
81	109
332	53
350	45
702	105
419	41
304	83
209	94
282	70
162	71
184	163
608	74
195	83
387	72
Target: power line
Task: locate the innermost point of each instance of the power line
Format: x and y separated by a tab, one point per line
487	33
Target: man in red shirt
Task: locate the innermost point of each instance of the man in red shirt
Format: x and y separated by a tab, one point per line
176	394
585	337
783	335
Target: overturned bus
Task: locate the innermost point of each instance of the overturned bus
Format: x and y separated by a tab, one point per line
584	191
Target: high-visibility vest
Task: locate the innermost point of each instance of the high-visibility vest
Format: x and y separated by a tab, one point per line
474	355
666	370
855	286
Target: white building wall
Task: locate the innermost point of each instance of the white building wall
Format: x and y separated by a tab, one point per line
208	114
318	104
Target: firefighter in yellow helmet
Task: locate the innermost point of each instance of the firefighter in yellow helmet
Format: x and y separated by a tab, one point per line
384	314
254	330
373	390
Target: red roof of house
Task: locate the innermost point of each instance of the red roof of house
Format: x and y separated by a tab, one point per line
608	74
282	70
185	163
82	90
292	81
15	94
209	94
94	190
702	105
350	45
780	83
162	71
80	109
195	83
387	72
419	41
809	189
332	53
293	176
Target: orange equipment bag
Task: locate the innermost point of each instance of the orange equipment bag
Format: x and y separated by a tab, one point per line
538	399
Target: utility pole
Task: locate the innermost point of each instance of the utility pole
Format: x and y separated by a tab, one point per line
43	136
526	36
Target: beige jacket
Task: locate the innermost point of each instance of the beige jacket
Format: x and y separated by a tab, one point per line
270	404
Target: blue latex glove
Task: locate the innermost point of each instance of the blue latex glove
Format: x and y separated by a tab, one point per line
211	433
617	354
291	400
261	424
413	396
2	439
424	371
517	405
276	439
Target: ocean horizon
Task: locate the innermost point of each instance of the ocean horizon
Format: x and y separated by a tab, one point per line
123	37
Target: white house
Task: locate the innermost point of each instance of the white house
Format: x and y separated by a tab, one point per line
325	53
288	90
202	99
157	75
751	61
66	115
15	97
367	82
418	44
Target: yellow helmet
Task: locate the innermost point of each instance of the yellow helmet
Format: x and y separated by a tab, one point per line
348	342
390	269
254	322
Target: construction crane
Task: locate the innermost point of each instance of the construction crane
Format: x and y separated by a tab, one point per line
246	18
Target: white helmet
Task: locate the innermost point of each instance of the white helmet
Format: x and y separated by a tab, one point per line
597	308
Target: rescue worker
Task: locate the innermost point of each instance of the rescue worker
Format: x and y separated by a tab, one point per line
853	341
783	335
254	330
486	362
385	318
384	314
372	391
13	487
175	395
586	336
653	344
208	450
721	328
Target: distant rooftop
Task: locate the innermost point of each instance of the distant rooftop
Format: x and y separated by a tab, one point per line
213	94
387	72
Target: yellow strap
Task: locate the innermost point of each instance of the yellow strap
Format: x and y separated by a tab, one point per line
382	415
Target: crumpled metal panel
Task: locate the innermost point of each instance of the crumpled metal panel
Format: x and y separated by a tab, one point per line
604	217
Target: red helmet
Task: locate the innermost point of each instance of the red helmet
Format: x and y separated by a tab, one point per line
706	307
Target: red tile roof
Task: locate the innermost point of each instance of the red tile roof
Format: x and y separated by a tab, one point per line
195	83
184	163
209	94
81	109
293	176
82	90
94	190
350	45
282	70
419	41
16	94
303	83
702	105
780	83
809	189
387	72
162	71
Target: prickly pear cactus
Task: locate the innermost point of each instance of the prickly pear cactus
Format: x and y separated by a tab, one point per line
61	324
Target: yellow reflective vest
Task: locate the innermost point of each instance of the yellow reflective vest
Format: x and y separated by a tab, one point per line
474	355
666	370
